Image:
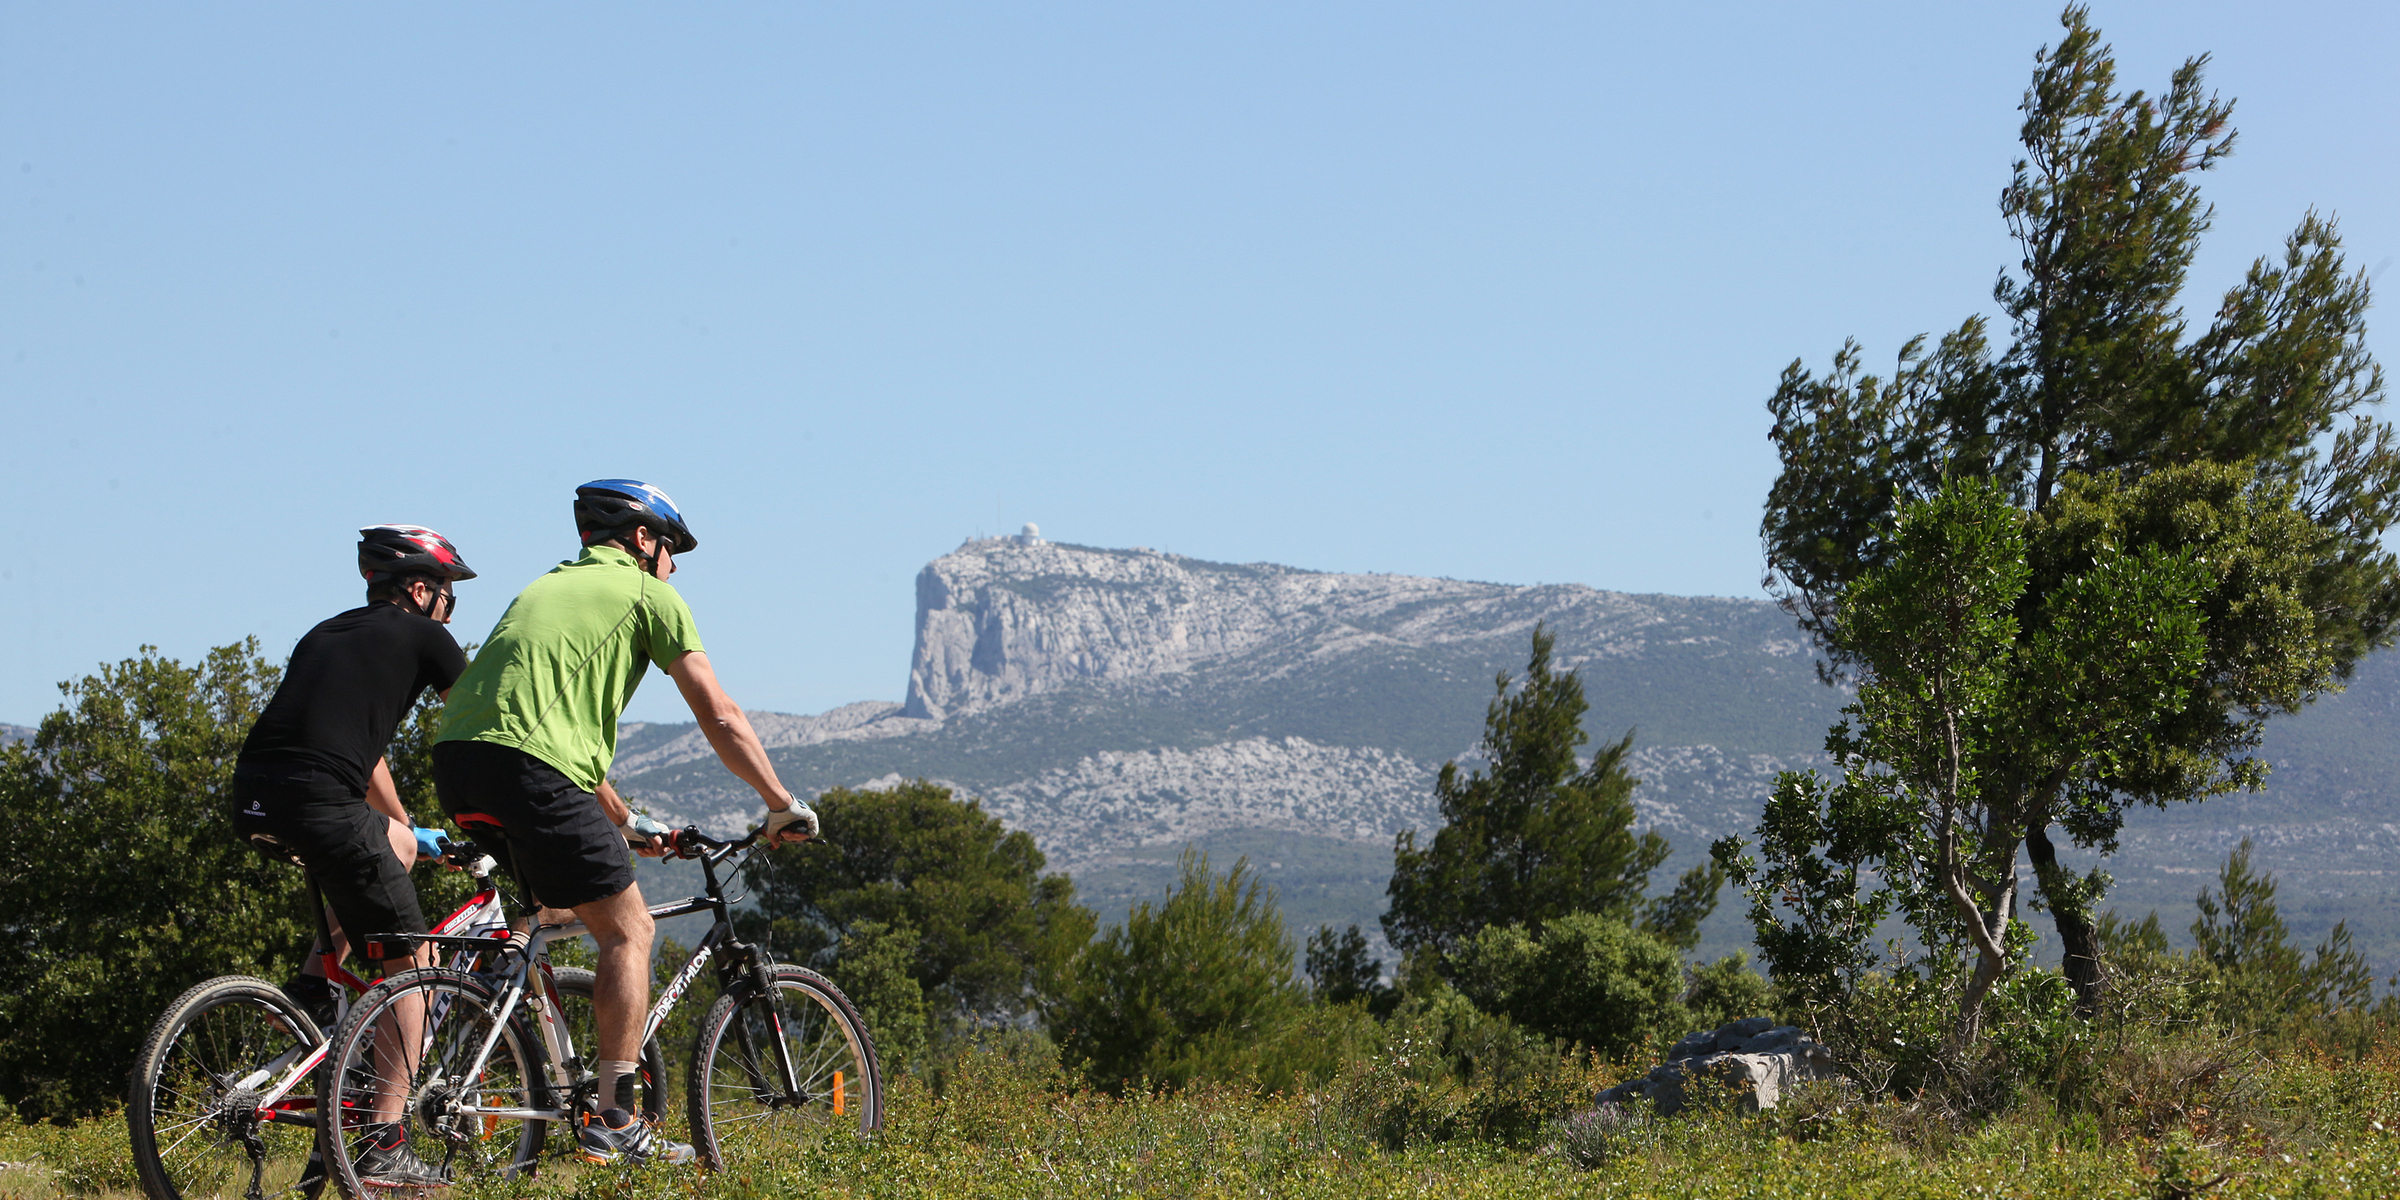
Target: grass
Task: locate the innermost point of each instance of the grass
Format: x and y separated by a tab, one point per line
2318	1127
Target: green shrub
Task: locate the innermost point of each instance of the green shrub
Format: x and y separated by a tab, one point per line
1582	978
1449	1070
1727	990
1315	1046
992	930
875	961
1189	989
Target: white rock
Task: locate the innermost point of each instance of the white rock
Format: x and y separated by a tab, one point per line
1760	1063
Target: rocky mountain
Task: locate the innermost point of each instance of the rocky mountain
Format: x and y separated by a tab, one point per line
1123	704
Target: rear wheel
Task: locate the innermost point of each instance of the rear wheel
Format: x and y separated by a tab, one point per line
405	1057
741	1109
193	1106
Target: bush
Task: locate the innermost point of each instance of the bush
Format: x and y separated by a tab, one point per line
1597	1136
1582	978
1727	990
1448	1070
991	929
875	975
1189	989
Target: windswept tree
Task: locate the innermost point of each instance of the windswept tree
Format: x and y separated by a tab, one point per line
1955	674
2116	430
1536	835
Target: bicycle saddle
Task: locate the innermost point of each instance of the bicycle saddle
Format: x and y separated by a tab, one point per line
274	847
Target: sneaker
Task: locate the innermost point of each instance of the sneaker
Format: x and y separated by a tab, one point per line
388	1162
618	1136
317	997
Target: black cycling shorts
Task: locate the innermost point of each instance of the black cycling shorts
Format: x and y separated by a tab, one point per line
347	847
557	841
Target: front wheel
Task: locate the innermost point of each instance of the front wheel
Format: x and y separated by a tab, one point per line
403	1068
202	1107
741	1106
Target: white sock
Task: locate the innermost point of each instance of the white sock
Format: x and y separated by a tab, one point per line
612	1081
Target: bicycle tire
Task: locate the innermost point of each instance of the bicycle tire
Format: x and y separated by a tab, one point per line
188	1142
735	1111
468	1146
575	986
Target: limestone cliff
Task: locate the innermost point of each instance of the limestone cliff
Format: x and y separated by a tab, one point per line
1001	619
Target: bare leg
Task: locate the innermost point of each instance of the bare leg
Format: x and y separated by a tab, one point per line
622	927
397	1037
403	1029
313	963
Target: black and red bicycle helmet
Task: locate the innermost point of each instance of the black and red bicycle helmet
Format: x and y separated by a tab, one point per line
605	508
388	550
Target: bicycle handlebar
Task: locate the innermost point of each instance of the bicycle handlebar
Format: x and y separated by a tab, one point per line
689	842
469	857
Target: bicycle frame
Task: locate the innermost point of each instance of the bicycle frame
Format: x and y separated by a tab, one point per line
478	920
740	963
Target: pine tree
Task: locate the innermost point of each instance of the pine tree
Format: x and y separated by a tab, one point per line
1186	989
1534	836
2262	980
1340	970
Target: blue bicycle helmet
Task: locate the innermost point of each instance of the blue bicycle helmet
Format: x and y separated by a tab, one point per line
606	508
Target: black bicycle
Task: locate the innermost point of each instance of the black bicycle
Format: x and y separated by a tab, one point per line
782	1055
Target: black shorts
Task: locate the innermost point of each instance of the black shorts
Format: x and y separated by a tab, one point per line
346	845
557	841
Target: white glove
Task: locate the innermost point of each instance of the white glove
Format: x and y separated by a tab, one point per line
798	816
641	828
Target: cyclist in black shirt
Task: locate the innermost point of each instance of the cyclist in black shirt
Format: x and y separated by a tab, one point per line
312	773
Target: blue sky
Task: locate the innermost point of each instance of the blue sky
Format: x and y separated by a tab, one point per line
1491	291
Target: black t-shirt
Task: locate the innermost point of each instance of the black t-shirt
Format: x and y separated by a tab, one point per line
349	683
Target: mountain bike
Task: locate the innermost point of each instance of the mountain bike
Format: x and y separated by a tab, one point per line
780	1057
222	1102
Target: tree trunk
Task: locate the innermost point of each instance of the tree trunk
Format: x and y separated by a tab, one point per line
2075	932
2001	907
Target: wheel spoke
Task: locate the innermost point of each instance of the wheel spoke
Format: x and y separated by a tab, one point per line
191	1135
404	1058
738	1106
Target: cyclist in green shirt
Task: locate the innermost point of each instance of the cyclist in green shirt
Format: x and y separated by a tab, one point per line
530	732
